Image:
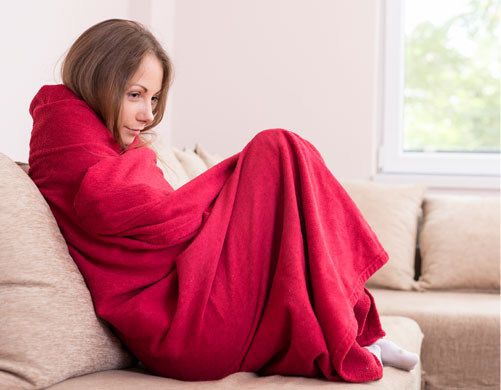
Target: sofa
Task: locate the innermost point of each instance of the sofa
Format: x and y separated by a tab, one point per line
450	286
438	295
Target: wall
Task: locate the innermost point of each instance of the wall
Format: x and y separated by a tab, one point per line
34	36
240	67
310	67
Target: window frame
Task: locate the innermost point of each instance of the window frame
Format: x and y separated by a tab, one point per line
479	170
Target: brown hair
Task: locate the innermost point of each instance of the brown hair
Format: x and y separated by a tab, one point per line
102	60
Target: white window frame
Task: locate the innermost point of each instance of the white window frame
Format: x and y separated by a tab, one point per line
467	170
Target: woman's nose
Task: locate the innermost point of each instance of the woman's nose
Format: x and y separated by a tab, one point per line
146	114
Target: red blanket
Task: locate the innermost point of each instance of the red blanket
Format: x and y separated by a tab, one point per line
258	264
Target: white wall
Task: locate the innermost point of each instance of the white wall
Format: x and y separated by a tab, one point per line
34	35
162	25
240	67
310	67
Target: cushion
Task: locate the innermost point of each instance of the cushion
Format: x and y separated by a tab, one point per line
191	162
180	166
209	159
459	243
393	212
172	169
461	344
403	331
48	327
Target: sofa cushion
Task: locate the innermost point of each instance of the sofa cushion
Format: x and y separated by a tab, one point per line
403	331
180	166
208	158
167	161
461	343
393	212
48	328
459	243
191	162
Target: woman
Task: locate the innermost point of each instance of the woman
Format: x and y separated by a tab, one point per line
258	264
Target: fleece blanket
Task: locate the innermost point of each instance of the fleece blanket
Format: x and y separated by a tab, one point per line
258	264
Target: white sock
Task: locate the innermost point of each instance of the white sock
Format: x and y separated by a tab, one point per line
394	356
375	350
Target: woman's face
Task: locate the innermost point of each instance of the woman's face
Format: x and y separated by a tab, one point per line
141	96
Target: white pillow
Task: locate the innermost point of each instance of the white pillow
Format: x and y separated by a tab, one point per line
180	166
173	171
191	162
209	159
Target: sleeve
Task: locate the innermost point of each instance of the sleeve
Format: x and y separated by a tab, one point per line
127	196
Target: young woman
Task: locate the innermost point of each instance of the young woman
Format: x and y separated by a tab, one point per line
258	264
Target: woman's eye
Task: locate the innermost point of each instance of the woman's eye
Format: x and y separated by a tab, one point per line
154	99
134	95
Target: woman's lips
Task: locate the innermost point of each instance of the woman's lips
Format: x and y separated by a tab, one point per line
135	131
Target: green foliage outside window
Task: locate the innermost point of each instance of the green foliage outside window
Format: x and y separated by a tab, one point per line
452	81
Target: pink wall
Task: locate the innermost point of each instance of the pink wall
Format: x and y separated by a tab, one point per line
310	67
34	37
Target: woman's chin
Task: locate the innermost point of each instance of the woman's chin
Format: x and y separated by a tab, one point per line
128	140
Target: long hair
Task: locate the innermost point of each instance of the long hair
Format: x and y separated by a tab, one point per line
102	60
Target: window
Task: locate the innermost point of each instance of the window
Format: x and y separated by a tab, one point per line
442	89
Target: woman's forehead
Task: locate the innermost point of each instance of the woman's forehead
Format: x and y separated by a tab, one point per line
149	74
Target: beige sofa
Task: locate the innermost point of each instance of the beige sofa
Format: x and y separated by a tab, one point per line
448	283
51	337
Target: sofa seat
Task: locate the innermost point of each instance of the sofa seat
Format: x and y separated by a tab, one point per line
403	331
462	334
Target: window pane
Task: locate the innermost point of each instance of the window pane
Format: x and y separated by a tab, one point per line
452	75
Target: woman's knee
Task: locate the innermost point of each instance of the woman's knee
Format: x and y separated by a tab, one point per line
273	134
271	138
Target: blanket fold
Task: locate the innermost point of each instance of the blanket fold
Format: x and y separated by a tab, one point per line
258	264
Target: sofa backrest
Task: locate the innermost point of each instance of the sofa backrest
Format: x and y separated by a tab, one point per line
49	330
